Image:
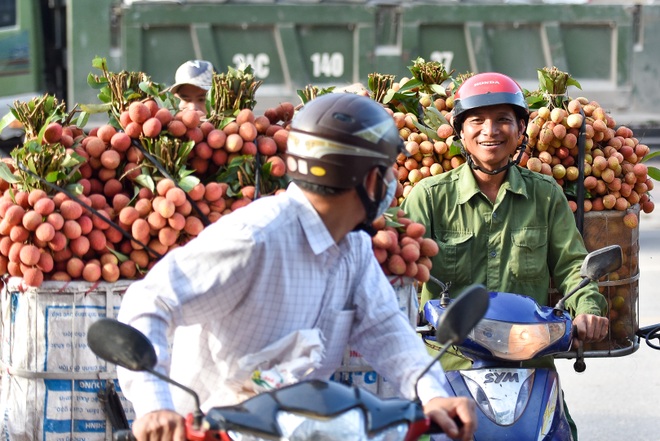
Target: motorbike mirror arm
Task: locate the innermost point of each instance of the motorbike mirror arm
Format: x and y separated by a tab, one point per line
596	264
125	346
560	307
444	294
198	415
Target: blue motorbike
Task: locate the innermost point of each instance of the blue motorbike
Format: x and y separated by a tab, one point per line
515	402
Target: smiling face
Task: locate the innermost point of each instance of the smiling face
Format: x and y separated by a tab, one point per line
490	135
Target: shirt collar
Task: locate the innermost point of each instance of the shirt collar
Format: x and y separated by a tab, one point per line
317	234
514	182
468	187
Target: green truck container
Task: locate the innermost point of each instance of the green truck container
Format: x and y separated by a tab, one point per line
612	49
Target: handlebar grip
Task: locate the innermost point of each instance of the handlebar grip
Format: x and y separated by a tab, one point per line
579	366
435	429
124	435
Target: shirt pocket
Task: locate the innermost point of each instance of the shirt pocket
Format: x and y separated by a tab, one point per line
449	265
529	253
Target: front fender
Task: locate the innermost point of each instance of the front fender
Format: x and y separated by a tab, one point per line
514	403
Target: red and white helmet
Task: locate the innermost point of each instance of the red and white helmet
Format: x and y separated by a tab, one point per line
488	89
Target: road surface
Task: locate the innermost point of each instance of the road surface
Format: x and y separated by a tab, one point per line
617	398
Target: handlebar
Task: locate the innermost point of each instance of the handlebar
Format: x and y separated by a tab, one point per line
127	434
579	365
435	429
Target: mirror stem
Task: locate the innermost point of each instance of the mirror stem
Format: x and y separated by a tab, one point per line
444	294
197	414
560	307
442	351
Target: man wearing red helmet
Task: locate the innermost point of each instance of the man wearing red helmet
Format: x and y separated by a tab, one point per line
283	265
499	224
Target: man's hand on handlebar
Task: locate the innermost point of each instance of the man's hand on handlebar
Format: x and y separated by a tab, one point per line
160	425
445	410
590	327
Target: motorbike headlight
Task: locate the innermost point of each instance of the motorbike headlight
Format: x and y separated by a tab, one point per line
516	341
348	426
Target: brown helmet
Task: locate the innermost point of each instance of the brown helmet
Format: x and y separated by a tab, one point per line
337	138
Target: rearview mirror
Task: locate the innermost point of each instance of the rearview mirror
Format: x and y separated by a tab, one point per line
121	344
601	262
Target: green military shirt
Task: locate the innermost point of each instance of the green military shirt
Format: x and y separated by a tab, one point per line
513	245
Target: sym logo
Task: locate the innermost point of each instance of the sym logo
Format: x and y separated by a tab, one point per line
502	377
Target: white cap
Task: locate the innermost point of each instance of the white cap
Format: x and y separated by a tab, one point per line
196	72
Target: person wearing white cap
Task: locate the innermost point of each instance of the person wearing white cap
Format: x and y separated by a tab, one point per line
192	81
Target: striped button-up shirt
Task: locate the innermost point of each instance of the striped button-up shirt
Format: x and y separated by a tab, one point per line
254	277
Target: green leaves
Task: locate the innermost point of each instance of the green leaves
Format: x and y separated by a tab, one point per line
432	120
39	162
379	85
650	156
430	75
118	90
6	174
239	172
455	147
653	172
310	92
553	86
230	92
146	181
45	162
535	99
7	120
404	100
391	217
100	64
35	114
188	182
429	132
427	79
98	83
245	170
170	154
